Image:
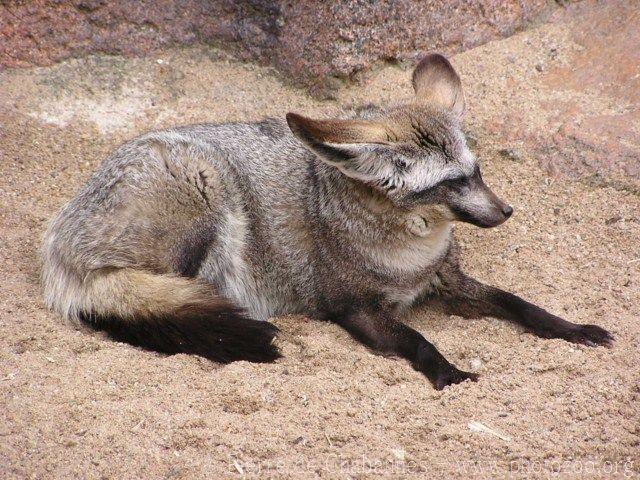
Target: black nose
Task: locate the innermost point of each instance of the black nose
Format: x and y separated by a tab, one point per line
507	211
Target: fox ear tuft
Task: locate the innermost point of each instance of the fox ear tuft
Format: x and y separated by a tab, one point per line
436	82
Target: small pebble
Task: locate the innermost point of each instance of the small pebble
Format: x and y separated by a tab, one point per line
398	453
511	154
476	364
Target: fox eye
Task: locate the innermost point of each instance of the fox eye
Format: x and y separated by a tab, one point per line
456	183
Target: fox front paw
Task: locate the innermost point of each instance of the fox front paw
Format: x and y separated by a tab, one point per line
451	376
591	335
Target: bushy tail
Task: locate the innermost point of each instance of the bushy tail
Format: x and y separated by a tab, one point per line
165	313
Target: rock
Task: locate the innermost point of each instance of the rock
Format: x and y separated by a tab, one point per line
41	32
398	454
309	41
605	140
511	154
578	110
476	364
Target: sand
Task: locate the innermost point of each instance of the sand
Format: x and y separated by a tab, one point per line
76	405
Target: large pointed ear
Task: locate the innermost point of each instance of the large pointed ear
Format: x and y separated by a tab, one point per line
354	147
336	131
436	82
337	140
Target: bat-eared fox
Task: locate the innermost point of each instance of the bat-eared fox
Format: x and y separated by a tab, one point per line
190	239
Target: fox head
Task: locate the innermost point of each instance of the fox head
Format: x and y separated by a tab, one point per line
415	155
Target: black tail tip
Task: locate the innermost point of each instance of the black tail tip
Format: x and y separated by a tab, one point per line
221	336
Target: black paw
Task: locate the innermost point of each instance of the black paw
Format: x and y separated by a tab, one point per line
590	335
452	376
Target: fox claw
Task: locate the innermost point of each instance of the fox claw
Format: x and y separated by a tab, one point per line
591	335
453	376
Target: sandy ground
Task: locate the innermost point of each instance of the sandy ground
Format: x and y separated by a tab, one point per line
75	405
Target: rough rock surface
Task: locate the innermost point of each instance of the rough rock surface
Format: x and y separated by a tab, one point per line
585	82
311	42
41	32
605	64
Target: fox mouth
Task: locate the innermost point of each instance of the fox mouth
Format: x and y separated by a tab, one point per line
485	224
